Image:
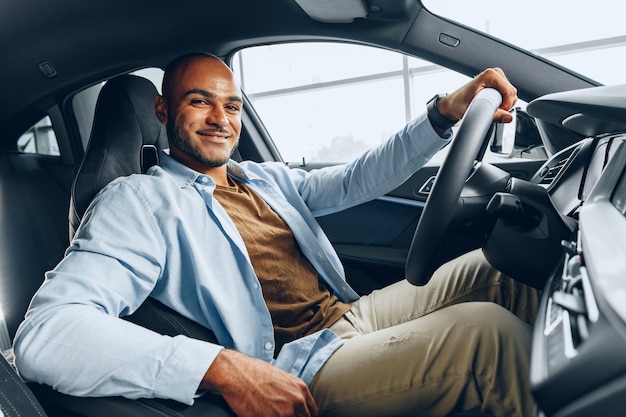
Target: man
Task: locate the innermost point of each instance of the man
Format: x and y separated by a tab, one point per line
236	247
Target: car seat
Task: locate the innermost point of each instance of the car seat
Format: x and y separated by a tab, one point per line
126	138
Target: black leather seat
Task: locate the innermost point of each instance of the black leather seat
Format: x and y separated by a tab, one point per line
125	128
126	139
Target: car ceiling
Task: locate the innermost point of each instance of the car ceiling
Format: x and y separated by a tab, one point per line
51	49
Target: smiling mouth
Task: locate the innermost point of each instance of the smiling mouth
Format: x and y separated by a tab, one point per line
215	136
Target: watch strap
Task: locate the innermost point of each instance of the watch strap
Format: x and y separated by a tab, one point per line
438	120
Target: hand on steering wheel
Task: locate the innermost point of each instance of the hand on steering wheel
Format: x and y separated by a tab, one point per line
442	200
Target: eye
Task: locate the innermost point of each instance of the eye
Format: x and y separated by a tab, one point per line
232	108
198	102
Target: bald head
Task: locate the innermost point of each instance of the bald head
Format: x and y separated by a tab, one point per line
176	68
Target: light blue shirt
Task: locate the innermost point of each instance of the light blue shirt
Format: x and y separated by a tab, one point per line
163	234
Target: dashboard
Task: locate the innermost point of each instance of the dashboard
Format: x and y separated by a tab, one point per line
578	364
570	174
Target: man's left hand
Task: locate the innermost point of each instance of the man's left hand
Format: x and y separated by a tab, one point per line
454	105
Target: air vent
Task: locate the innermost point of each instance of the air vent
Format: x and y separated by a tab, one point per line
552	172
553	169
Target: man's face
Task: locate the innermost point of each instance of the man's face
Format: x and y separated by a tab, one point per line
202	113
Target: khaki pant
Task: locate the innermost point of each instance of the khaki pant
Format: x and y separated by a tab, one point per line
460	342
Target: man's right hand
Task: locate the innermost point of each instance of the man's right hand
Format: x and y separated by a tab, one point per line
254	388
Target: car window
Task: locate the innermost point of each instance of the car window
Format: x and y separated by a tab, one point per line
329	102
587	40
39	139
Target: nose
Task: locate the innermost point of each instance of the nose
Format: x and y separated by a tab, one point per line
217	116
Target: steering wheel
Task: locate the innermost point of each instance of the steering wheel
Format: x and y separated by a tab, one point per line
444	195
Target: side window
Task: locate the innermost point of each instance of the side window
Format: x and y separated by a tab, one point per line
39	139
329	102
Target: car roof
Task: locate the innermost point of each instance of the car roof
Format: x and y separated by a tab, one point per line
52	49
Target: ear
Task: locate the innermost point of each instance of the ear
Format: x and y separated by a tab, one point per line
160	106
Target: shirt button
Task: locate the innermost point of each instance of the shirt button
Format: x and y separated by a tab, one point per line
255	285
204	179
268	346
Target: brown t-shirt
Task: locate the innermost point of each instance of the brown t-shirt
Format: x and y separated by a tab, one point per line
298	301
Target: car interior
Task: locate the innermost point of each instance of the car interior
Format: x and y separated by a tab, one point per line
556	222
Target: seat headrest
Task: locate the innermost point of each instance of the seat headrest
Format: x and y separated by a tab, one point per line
124	124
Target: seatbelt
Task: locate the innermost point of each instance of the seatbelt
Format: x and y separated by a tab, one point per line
16	399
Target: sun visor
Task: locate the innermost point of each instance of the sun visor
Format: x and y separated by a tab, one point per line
334	11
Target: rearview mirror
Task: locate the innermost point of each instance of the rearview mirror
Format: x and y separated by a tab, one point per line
520	138
504	136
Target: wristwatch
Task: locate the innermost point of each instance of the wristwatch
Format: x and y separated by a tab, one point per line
438	120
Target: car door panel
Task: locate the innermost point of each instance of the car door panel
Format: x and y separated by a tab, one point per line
373	239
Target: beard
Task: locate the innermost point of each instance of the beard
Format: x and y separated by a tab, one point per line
180	140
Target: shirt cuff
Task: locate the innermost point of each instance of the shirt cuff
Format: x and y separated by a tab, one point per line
185	368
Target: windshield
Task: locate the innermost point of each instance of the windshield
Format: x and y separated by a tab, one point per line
589	37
